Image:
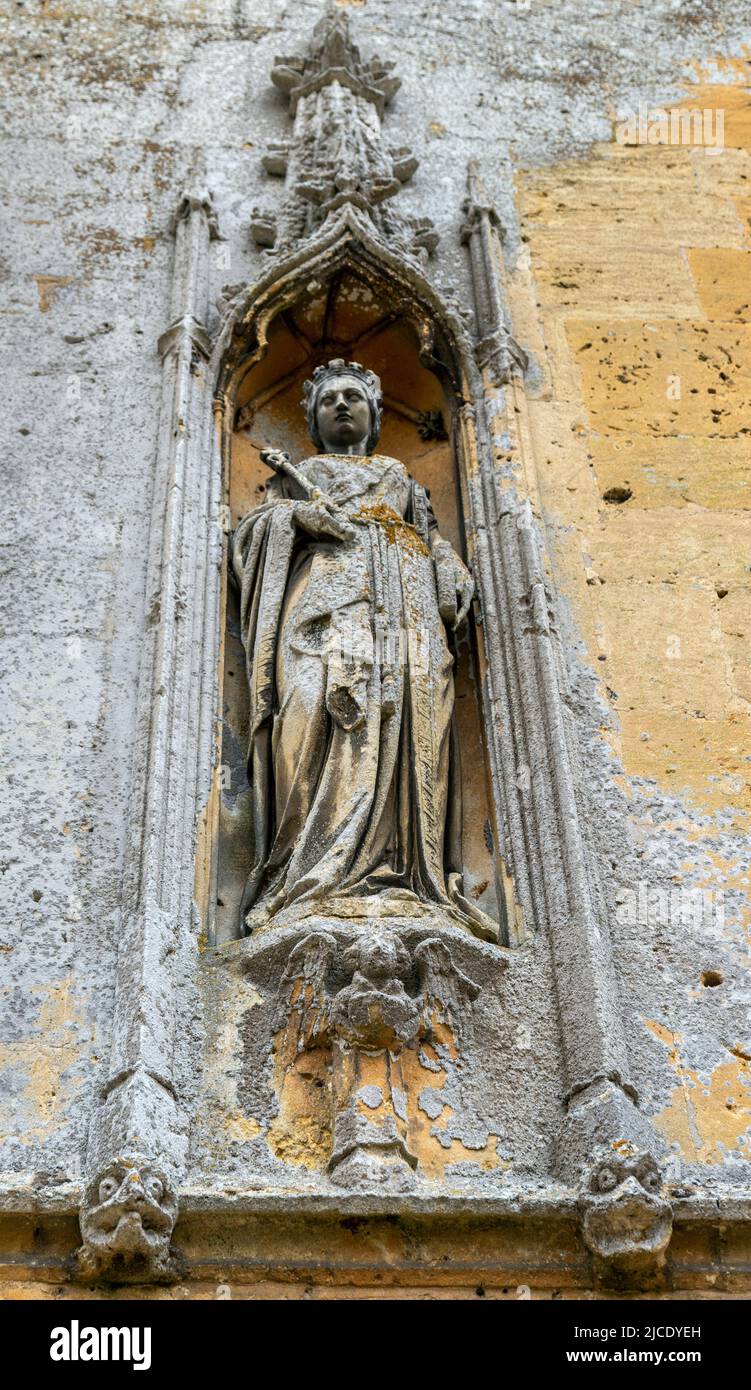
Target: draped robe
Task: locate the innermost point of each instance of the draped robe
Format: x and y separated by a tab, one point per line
353	758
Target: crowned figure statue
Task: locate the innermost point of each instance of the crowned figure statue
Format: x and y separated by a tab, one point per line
348	595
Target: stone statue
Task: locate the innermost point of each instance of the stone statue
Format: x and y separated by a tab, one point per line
347	594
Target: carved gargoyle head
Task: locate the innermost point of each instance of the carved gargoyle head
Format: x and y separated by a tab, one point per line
627	1219
127	1218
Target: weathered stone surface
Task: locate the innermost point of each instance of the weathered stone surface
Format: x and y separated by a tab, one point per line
642	477
102	136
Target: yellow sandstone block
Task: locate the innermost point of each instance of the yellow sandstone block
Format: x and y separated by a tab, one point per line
664	647
706	760
724	177
636	545
709	1114
735	621
675	471
743	208
734	101
723	280
638	262
600	280
683	377
635	197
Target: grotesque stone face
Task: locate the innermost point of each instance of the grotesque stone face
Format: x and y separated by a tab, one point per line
343	415
130	1214
627	1219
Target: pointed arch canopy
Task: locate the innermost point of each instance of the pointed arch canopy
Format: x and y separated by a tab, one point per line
346	242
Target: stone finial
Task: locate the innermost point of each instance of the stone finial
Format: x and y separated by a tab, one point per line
197	200
482	233
336	159
333	56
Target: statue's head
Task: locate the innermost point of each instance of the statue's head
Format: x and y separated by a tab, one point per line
343	408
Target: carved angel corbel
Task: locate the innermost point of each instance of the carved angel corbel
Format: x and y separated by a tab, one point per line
395	998
303	1002
445	993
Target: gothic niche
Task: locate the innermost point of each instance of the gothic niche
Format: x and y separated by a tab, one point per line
404	585
357	887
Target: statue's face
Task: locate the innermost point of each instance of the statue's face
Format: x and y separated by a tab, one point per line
343	414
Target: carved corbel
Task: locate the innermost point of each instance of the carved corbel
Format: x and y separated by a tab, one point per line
394	999
127	1221
625	1211
627	1219
373	1018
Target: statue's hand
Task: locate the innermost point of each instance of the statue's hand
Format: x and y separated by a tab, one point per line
321	518
465	588
454	584
275	458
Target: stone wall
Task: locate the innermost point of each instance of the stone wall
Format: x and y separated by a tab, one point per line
637	259
627	276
